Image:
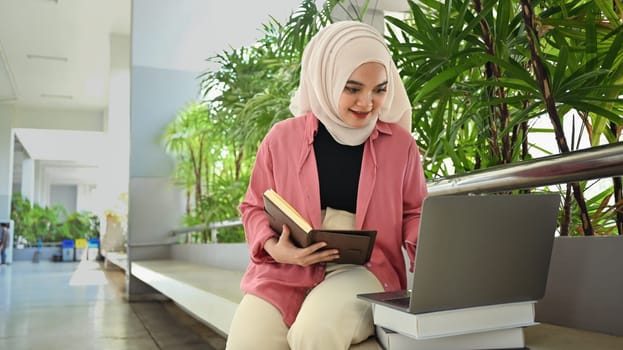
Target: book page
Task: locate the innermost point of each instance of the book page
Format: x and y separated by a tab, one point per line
287	209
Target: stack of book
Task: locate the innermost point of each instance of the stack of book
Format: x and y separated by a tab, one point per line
484	327
477	277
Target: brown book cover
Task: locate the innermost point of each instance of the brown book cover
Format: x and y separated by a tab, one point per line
355	246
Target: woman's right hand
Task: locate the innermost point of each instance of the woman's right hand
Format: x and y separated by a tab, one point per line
284	251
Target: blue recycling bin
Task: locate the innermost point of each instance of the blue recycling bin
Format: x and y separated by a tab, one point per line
94	242
68	247
93	248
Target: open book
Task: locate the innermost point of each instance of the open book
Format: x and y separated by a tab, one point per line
355	246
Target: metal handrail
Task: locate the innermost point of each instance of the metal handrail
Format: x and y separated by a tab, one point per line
592	163
213	227
149	244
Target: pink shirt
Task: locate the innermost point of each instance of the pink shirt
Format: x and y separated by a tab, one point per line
391	189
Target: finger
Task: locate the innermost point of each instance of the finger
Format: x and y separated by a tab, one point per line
324	256
285	233
316	247
330	254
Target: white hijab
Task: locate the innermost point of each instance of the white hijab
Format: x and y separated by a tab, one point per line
328	61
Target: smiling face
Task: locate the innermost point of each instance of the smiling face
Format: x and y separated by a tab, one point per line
364	95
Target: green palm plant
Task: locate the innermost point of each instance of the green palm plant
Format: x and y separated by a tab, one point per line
20	206
186	139
253	86
481	74
51	223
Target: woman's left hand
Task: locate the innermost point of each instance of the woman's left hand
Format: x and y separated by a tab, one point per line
284	251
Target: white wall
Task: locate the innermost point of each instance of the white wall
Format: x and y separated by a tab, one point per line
180	35
27	187
64	195
6	160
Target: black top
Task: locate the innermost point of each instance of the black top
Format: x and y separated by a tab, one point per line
338	171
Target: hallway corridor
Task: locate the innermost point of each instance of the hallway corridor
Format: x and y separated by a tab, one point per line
78	305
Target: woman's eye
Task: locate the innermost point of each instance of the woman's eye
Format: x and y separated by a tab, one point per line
381	90
352	90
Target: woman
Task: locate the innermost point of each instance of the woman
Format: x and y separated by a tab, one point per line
345	160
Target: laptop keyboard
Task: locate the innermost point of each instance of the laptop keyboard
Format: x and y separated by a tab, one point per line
402	302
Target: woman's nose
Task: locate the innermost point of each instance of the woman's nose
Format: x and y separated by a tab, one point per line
365	100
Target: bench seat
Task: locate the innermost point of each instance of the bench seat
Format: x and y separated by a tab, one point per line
210	294
118	259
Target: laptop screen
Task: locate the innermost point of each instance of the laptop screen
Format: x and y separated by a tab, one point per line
483	249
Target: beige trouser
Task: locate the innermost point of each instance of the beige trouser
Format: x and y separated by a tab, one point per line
331	317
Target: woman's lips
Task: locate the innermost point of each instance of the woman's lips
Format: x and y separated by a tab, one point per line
360	115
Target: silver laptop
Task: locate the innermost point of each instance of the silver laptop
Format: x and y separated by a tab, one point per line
476	250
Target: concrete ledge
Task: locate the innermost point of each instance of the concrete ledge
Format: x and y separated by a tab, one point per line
552	337
26	254
230	256
584	286
118	259
209	294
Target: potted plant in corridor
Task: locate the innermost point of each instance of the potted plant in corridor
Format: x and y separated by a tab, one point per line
50	224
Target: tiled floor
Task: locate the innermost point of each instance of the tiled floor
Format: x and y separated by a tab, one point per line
78	305
69	306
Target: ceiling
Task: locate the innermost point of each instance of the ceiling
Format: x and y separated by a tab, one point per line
55	59
55	53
